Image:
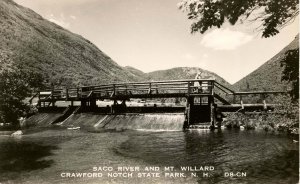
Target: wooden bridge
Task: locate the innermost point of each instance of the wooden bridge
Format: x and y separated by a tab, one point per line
205	99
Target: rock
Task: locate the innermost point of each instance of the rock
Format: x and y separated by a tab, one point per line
236	124
268	128
17	133
281	127
249	125
22	122
73	128
228	124
295	131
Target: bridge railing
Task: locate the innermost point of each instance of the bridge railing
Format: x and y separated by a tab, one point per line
237	97
255	96
223	88
152	89
184	87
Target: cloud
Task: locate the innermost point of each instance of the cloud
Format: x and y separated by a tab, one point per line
205	55
225	39
203	64
59	20
73	17
188	56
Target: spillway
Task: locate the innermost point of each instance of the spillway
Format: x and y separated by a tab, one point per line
42	119
83	120
154	122
150	122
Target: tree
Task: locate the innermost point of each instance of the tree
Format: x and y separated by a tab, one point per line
290	72
273	14
15	86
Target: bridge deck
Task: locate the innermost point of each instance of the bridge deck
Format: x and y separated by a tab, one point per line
158	89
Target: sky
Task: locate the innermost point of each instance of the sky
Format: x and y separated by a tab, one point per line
155	35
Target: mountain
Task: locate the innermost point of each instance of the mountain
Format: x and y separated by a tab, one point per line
137	73
268	76
177	73
184	73
66	59
29	41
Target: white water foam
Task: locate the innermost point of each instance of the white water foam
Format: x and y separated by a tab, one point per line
144	122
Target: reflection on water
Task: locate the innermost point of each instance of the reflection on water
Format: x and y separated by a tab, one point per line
265	157
41	156
24	156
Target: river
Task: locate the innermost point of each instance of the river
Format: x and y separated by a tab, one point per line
46	155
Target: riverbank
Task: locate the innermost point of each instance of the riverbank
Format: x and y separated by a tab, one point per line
269	122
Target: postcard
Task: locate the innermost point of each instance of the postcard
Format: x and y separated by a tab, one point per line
149	91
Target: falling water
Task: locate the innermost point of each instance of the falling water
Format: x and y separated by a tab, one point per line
151	122
42	119
82	120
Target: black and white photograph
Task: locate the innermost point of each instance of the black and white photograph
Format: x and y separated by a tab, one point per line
149	91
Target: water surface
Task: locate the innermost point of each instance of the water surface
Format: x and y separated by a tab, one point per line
43	154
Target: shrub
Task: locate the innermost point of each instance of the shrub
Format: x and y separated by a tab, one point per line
15	86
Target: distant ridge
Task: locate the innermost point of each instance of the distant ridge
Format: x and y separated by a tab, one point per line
268	76
137	73
184	73
176	73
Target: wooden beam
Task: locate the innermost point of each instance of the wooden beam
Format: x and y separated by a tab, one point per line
257	92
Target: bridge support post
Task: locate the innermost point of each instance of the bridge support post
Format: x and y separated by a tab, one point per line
187	113
113	107
218	116
93	103
212	112
83	103
123	106
118	108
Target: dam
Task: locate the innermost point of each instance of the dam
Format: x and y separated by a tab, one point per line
198	103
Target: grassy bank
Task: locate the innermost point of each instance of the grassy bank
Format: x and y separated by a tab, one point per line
284	118
266	121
